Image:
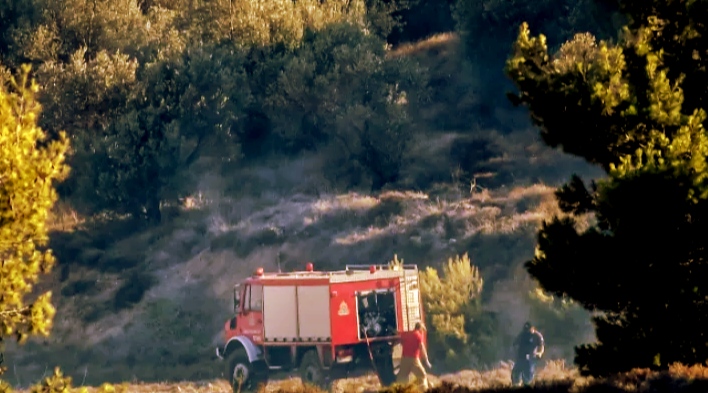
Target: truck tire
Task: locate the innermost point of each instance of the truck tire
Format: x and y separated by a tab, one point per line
243	375
383	361
311	371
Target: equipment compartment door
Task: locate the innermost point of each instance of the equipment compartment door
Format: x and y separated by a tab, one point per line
377	313
280	313
314	313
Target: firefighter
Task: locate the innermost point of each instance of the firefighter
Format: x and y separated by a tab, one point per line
412	350
529	346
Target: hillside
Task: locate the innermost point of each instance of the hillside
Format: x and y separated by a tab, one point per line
107	329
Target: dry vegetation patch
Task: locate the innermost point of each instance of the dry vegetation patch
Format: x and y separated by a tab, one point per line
553	377
436	45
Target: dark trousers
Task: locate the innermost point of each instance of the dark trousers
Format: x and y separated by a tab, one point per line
524	369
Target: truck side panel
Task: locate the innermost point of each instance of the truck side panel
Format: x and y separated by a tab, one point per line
280	313
314	312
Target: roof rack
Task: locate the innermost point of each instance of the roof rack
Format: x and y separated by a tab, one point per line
380	267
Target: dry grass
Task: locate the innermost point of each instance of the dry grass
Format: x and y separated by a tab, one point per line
553	377
498	377
63	218
440	44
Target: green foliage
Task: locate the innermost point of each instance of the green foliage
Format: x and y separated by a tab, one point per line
15	16
419	19
85	93
634	109
488	27
57	28
459	331
134	130
154	96
29	166
383	17
84	98
340	89
182	109
484	23
263	23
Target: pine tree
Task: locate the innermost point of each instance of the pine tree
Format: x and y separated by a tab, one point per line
29	165
636	109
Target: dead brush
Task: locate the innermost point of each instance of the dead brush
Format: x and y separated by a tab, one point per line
697	371
292	386
401	388
556	370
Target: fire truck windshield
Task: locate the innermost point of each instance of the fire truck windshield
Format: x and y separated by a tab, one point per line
237	296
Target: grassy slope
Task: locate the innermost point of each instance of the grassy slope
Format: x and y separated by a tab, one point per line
289	213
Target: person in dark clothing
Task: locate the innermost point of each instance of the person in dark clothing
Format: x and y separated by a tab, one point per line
529	346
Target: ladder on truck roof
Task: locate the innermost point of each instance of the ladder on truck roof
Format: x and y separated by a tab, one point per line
410	301
411	294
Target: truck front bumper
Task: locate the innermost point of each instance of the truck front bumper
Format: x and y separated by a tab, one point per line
218	354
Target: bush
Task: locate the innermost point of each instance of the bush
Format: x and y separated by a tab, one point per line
460	333
340	91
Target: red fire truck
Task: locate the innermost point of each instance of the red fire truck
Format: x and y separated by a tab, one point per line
325	325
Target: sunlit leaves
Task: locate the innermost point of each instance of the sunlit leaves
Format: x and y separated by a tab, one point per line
29	167
269	22
451	303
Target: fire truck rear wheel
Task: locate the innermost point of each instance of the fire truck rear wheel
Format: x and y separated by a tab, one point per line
242	374
310	370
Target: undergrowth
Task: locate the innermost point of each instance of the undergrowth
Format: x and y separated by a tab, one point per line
553	378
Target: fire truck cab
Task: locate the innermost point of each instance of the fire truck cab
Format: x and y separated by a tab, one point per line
324	325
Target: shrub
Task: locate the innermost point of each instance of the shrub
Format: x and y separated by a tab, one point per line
341	92
460	333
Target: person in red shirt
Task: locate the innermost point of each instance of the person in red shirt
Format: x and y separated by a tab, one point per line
413	349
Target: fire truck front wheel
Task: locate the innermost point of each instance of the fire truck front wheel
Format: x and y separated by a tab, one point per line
243	375
310	370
